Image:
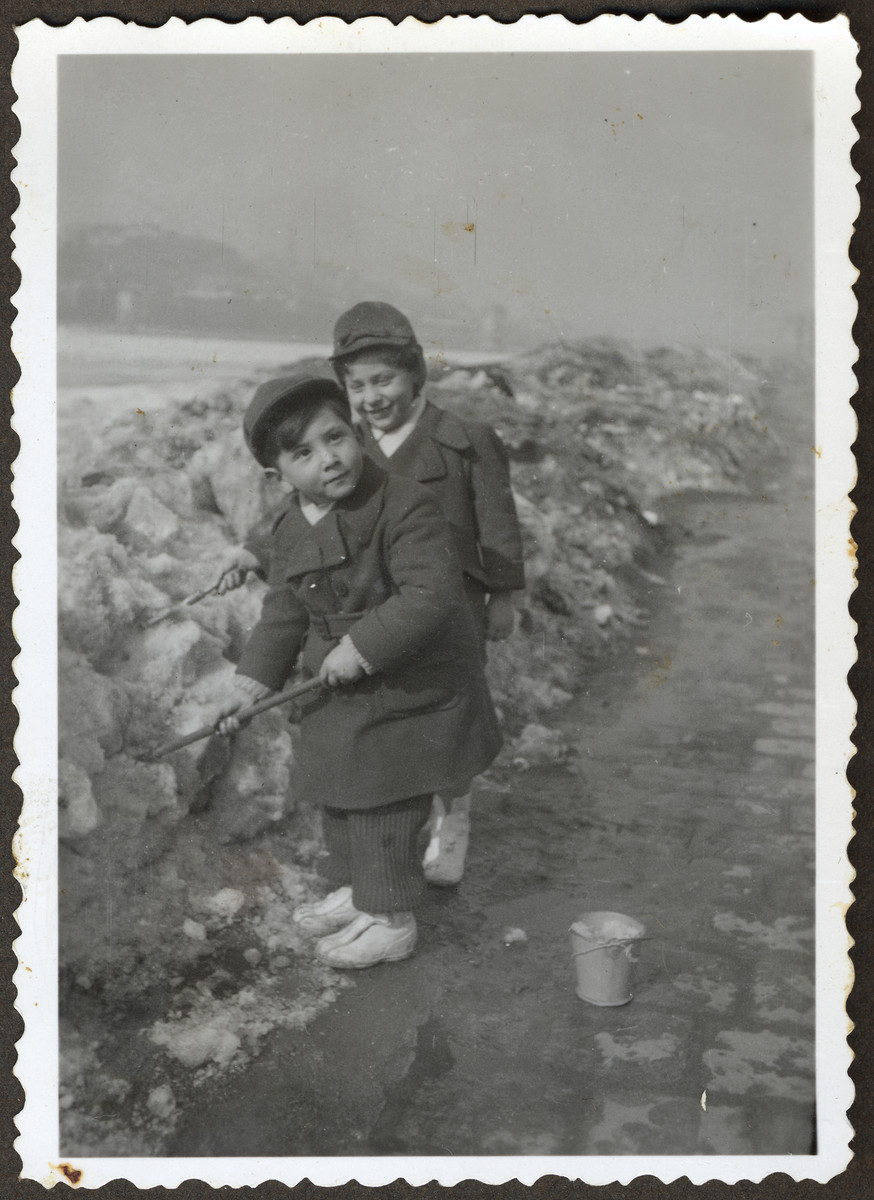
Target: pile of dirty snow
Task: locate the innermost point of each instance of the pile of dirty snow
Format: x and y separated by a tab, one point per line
600	436
232	972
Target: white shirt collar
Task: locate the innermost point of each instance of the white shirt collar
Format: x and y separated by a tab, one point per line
390	440
314	512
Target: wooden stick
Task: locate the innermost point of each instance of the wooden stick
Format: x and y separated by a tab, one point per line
243	714
168	612
189	600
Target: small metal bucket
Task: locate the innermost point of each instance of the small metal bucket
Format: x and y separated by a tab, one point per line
601	945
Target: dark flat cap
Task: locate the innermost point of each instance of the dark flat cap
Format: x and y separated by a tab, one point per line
371	323
276	398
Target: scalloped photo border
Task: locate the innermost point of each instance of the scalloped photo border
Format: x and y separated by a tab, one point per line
34	79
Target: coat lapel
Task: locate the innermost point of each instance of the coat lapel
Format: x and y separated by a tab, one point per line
420	456
446	428
357	514
313	547
333	540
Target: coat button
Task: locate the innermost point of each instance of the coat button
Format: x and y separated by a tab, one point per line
341	588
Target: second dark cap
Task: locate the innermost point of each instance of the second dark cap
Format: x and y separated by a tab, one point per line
371	323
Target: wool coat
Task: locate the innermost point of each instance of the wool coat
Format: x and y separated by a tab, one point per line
465	464
380	566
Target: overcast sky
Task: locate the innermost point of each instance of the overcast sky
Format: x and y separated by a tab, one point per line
662	197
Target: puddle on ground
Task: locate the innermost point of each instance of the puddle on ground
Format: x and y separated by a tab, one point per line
639	1050
720	994
779	936
747	1064
770	999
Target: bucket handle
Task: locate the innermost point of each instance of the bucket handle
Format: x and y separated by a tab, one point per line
625	942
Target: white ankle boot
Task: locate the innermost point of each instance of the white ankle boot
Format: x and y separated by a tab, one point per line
370	939
333	912
450	831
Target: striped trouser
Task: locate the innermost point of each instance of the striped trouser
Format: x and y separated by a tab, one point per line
376	850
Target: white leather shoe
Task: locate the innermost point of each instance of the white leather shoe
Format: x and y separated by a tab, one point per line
370	939
444	859
333	912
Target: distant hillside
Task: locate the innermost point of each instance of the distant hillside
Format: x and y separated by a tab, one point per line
144	278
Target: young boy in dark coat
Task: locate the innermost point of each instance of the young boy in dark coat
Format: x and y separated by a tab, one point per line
381	364
365	583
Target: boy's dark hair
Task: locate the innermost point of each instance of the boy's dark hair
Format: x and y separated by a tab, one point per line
288	429
405	358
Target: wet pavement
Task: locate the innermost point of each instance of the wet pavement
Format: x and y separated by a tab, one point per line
688	804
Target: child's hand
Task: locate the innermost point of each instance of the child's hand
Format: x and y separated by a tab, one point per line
342	664
236	565
226	722
250	691
500	616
